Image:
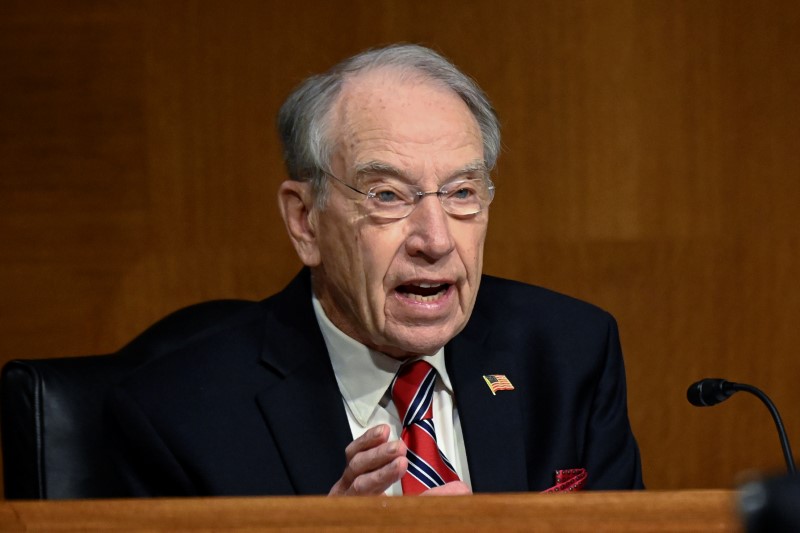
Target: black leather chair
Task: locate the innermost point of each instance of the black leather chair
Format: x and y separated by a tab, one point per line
52	409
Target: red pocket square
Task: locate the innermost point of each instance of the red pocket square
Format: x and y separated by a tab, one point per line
569	480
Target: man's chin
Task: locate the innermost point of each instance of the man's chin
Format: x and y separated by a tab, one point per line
416	341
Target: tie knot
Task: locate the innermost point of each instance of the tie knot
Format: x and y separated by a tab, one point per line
412	392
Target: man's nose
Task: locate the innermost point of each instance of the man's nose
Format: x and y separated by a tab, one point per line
429	234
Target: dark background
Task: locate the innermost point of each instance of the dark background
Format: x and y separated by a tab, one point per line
651	165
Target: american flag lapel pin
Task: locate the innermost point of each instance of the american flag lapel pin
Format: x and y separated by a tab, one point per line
497	382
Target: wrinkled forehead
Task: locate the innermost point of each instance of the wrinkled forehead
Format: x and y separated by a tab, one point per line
381	90
400	103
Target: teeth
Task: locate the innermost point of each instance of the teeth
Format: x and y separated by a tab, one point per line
420	298
425	292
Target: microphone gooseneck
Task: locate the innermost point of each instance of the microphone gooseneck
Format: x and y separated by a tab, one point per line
711	391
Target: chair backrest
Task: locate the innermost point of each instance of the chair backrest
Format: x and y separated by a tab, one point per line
51	413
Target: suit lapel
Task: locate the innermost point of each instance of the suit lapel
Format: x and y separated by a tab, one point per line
492	424
304	412
303	408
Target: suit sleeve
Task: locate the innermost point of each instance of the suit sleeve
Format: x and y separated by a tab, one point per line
144	463
612	455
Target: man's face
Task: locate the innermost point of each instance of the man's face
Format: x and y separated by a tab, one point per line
408	286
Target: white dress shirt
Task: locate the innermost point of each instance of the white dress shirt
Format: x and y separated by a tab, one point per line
364	377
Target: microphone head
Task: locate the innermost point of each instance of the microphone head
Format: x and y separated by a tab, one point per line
709	391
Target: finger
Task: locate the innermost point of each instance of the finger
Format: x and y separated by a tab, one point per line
371	482
373	471
372	438
371	456
375	458
454	488
378	481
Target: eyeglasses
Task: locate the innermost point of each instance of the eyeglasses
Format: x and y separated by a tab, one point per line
394	199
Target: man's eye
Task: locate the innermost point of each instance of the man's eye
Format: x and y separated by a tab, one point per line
387	196
462	193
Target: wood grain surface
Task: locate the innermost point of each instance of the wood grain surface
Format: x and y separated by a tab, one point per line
684	511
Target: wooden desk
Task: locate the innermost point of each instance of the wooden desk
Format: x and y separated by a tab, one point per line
706	511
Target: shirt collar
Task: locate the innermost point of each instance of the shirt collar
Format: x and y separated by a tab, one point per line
363	374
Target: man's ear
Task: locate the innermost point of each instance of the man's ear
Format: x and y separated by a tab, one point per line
296	205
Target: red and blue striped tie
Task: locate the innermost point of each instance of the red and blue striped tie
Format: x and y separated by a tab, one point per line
412	394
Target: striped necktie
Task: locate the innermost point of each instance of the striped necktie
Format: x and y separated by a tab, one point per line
412	394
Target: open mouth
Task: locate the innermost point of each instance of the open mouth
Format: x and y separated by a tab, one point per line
423	292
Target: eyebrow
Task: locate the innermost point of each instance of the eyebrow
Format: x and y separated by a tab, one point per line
381	167
479	165
378	167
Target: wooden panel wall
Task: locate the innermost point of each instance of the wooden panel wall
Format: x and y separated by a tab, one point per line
651	165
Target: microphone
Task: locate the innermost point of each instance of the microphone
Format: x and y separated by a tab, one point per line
711	391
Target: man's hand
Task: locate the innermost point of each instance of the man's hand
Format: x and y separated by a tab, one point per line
454	488
373	464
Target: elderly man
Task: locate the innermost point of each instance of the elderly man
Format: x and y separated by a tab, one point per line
381	368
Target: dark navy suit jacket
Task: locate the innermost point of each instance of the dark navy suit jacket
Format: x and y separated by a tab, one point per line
251	407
